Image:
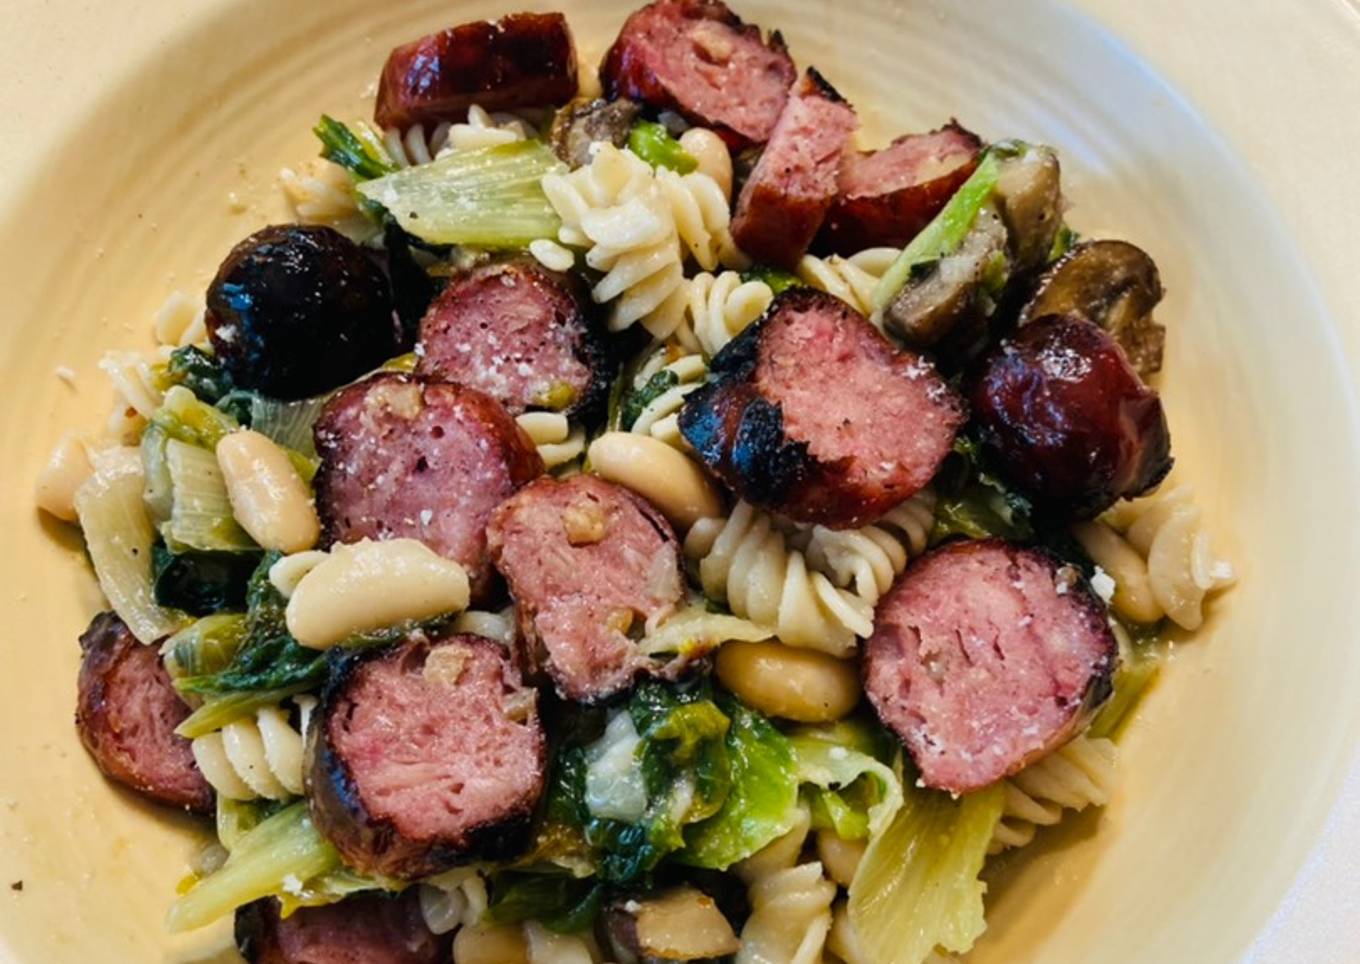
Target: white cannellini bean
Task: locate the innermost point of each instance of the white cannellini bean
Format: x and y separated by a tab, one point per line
268	497
708	149
662	475
67	468
370	585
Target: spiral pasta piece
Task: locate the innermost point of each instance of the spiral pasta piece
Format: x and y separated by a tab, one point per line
1080	774
747	562
453	899
135	379
323	193
1160	557
869	558
638	226
718	308
851	279
255	757
660	418
790	902
557	441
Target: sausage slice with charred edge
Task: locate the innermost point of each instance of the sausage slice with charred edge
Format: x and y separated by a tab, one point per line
698	58
589	564
886	197
1068	419
520	60
783	202
985	656
520	333
425	756
366	928
813	414
127	712
406	457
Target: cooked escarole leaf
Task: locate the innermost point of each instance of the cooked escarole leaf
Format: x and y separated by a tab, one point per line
281	854
487	197
205	646
358	149
974	502
200	511
558	901
917	886
265	667
659	148
945	233
848	789
119	536
199	372
760	805
201	583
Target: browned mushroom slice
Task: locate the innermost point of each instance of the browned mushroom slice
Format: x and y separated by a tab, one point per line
682	924
1029	199
1114	284
946	306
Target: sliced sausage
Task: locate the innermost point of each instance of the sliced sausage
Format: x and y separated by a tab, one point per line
984	657
698	58
403	457
424	756
520	60
813	414
584	122
886	197
126	712
366	928
298	309
1068	419
793	184
589	564
520	333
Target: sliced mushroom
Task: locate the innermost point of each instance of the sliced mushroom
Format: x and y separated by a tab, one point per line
683	924
1114	284
583	122
947	306
1029	198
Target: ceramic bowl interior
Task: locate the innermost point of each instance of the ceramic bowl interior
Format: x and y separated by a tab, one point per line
1234	760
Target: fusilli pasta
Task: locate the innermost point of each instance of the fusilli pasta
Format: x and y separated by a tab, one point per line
180	321
660	418
557	441
790	903
638	225
323	193
256	757
851	279
1076	776
869	558
746	561
1160	557
135	380
457	898
414	146
718	308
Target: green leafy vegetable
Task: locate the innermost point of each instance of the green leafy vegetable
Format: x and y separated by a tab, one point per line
974	502
1140	666
1064	241
851	791
917	886
760	805
236	818
200	511
157	490
186	419
560	902
487	197
639	398
280	853
778	279
655	145
205	646
199	372
288	423
945	233
217	711
358	150
201	582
